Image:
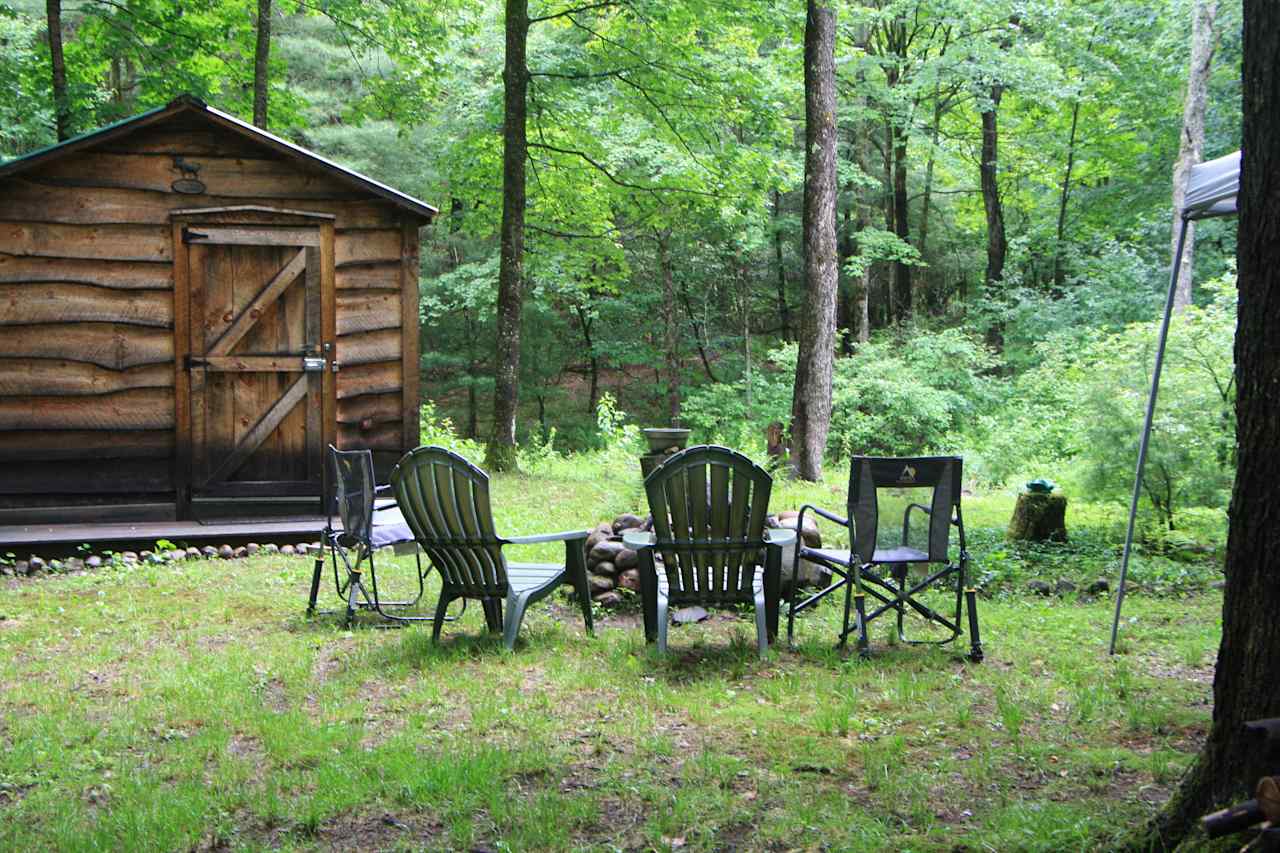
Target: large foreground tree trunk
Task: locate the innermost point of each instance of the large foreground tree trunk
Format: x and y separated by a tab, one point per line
1191	148
501	452
811	396
261	64
58	69
1246	685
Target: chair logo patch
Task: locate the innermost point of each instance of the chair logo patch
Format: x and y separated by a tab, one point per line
908	475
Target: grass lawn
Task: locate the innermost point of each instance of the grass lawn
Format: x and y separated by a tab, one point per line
191	706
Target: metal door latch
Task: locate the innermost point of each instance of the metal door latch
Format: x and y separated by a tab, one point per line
312	364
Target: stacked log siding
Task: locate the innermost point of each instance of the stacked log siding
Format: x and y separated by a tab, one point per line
87	353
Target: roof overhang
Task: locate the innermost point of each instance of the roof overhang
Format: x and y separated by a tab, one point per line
187	104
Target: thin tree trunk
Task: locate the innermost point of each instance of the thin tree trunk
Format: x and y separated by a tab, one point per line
501	452
997	245
903	296
783	311
1191	146
1246	683
261	64
473	416
1059	269
61	100
670	334
926	200
811	398
593	396
699	332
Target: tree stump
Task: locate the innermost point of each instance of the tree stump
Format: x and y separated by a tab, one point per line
1039	518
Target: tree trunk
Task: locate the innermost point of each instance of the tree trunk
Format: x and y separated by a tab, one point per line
261	60
997	245
988	170
501	452
593	395
811	398
61	100
784	313
670	334
473	414
1191	146
901	226
1059	269
1246	684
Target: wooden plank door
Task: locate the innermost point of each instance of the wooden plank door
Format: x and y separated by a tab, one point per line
260	359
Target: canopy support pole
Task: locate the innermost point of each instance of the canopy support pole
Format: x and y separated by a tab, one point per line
1146	429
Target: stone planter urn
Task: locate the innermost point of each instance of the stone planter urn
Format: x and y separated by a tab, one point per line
663	442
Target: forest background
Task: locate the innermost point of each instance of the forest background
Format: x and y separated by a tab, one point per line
1004	214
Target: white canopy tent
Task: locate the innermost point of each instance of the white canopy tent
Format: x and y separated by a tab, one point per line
1211	191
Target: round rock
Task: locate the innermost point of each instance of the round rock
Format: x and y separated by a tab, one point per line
240	553
608	569
625	521
599	583
192	553
611	598
271	548
626	559
226	552
208	552
287	550
606	551
252	548
629	579
93	561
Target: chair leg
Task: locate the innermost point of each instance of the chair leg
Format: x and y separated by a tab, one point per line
315	584
848	603
860	604
772	590
762	626
516	605
576	565
649	595
442	607
492	614
355	586
975	640
662	620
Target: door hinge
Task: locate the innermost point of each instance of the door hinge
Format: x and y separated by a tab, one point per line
312	364
188	235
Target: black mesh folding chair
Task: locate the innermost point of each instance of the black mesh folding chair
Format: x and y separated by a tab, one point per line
878	561
367	523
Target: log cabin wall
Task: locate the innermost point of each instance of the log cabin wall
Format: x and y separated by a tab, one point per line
87	373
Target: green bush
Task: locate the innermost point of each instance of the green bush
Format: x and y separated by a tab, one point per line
1082	408
903	393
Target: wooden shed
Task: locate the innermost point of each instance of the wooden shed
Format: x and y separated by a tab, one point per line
191	310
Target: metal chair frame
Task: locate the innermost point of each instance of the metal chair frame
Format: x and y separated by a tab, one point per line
352	544
859	573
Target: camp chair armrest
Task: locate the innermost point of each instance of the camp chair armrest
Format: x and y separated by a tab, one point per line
637	539
779	537
829	516
567	535
385	487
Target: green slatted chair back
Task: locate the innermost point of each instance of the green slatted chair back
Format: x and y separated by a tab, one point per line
709	506
445	500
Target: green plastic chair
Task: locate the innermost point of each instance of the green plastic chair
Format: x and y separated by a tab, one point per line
445	500
709	505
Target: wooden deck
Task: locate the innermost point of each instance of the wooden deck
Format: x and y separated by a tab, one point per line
45	539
